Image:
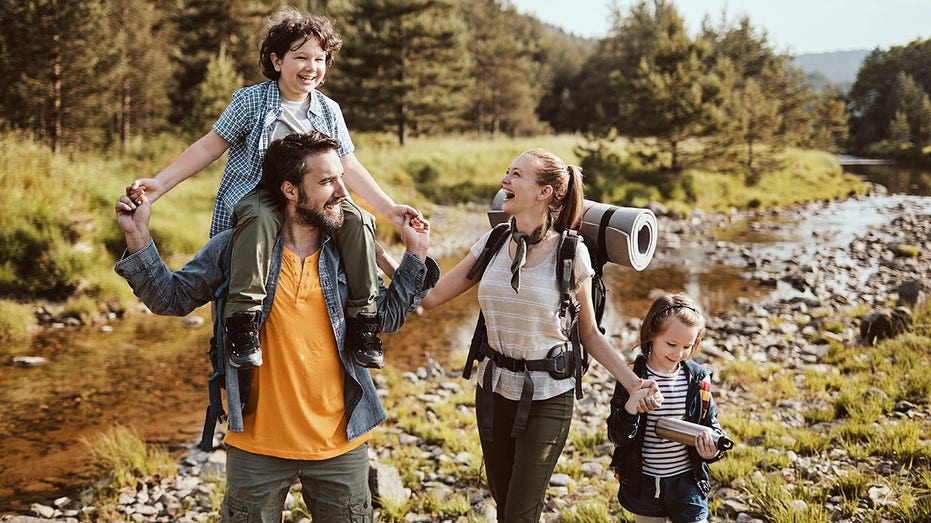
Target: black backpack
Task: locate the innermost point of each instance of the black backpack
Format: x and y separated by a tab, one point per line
571	363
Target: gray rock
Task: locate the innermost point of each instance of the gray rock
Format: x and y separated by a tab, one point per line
385	484
28	361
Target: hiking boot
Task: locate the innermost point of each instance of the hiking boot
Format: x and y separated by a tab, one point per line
242	330
362	340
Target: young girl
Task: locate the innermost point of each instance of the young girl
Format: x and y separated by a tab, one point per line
520	300
660	478
296	53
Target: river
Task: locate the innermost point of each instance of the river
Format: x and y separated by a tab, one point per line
150	372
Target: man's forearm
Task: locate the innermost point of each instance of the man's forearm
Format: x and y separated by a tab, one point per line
409	285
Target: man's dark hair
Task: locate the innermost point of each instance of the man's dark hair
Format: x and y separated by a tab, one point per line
284	160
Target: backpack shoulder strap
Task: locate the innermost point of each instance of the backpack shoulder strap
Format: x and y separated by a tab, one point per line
492	245
569	306
705	393
215	412
565	273
496	239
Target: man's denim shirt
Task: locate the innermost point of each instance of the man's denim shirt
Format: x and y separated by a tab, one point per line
180	292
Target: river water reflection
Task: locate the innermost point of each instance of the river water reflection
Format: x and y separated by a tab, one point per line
150	372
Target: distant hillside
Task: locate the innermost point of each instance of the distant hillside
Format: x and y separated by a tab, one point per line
838	68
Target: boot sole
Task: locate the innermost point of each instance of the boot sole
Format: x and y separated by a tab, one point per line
253	360
369	364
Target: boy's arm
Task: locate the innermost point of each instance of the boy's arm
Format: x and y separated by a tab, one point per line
361	181
193	160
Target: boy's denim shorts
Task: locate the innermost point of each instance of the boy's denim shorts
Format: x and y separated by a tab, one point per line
676	497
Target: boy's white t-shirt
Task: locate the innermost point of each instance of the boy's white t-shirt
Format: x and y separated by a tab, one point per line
293	119
525	325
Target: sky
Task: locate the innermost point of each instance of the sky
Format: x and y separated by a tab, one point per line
792	26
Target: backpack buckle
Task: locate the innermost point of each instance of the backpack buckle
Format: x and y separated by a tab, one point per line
561	363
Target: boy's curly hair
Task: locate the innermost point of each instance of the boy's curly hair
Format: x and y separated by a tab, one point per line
288	29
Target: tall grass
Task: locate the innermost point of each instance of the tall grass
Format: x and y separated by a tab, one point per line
121	456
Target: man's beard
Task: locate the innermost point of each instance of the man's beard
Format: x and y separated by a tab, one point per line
320	220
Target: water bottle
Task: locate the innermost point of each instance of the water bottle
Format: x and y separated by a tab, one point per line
685	432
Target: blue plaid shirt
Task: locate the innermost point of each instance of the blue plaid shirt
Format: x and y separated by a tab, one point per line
247	124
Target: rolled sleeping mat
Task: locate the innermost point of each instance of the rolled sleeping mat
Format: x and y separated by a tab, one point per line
622	235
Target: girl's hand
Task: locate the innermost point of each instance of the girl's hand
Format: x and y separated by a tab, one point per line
654	398
633	405
705	446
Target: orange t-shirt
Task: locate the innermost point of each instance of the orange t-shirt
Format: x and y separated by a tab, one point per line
296	408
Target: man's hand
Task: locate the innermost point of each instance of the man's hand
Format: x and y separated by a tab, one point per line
399	213
150	187
133	219
415	233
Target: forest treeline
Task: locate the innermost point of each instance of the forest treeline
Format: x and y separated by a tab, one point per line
93	74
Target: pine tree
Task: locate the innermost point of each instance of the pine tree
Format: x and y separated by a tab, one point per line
872	105
200	27
908	97
829	122
141	97
769	101
404	67
663	89
214	93
61	82
900	131
507	79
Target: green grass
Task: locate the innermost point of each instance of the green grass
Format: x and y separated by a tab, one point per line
16	319
806	176
849	411
120	456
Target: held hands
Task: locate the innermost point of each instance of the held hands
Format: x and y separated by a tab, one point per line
705	446
415	233
399	213
645	398
133	219
150	187
637	398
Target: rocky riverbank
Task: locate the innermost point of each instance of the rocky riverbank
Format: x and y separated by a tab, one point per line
821	281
